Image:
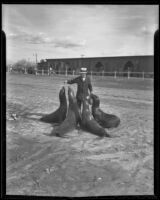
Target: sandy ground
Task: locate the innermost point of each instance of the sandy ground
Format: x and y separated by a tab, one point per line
80	165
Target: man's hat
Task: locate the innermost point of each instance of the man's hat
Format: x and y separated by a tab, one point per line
83	70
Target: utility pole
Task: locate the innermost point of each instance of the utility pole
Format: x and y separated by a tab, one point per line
36	61
36	57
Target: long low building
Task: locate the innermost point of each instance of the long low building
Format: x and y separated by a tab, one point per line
98	64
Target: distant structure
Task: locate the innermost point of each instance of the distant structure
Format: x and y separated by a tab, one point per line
98	64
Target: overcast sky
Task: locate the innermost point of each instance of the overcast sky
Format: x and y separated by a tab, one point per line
68	31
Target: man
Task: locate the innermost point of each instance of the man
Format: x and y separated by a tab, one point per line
83	86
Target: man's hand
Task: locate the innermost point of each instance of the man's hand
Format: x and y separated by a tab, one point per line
87	97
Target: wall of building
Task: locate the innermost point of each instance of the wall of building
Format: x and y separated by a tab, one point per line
125	63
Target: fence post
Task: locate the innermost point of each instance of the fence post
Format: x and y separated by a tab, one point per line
42	71
25	71
143	75
115	74
91	74
73	73
128	74
102	74
66	72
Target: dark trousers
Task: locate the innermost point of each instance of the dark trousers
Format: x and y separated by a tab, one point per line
79	103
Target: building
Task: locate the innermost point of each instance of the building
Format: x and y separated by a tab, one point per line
99	64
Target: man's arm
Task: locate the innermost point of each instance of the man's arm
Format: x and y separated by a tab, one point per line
75	80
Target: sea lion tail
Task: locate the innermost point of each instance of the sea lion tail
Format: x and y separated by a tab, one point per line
107	135
55	133
111	136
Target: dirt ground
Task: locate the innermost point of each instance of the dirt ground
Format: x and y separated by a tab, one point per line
80	165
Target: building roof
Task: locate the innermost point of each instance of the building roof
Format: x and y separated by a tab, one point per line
99	57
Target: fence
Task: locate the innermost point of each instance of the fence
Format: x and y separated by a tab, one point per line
93	74
101	74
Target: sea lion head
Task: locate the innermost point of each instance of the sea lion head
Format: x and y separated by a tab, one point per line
62	90
71	95
73	104
86	114
95	100
85	104
62	94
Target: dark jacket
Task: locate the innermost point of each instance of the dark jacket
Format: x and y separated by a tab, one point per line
82	86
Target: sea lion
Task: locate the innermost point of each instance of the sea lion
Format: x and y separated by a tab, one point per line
72	119
89	123
59	115
104	119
